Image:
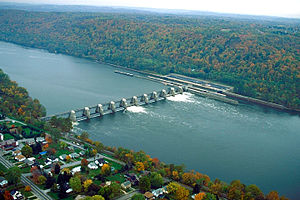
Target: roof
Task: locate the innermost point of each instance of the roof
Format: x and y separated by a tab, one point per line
127	183
43	153
2	178
17	151
20	157
148	195
74	155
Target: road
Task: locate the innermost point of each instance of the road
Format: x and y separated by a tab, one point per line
35	190
128	195
98	155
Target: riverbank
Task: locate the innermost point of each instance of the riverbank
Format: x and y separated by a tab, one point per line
161	78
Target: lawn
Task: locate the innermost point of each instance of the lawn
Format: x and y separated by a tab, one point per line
117	177
54	195
8	136
117	166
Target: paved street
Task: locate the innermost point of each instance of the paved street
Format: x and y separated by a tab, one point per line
35	190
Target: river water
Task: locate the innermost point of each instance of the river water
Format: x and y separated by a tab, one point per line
254	144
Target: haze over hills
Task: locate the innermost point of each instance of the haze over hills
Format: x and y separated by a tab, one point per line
125	9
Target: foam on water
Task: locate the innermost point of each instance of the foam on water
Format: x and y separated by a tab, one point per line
185	97
136	109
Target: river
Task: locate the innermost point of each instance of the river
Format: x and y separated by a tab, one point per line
254	144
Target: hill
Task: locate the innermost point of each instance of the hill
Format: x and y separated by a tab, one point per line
259	58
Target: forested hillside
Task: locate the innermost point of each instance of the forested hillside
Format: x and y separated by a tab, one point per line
15	102
259	58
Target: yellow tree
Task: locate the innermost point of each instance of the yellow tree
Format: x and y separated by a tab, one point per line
86	184
175	175
139	166
200	196
105	170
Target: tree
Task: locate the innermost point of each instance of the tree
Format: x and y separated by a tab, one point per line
75	184
95	197
200	196
177	191
84	135
26	151
253	192
35	174
42	179
144	184
7	195
63	145
273	195
182	193
139	166
138	197
57	168
68	158
84	164
209	196
156	180
99	146
13	175
105	170
86	184
27	188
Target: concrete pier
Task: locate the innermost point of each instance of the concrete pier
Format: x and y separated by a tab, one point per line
100	110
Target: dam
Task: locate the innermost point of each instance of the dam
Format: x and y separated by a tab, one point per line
112	107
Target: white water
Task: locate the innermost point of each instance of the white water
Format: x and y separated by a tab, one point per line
185	97
136	109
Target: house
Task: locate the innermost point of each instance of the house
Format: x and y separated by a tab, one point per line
159	192
74	155
40	139
70	148
92	165
63	157
149	195
132	178
126	185
30	141
29	162
100	162
8	144
82	153
20	158
3	182
16	195
16	153
76	169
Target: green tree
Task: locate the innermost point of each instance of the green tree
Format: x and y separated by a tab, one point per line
144	184
209	196
84	135
253	192
75	184
13	175
42	179
138	197
26	151
156	180
95	197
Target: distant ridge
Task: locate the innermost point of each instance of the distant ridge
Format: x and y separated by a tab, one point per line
120	9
